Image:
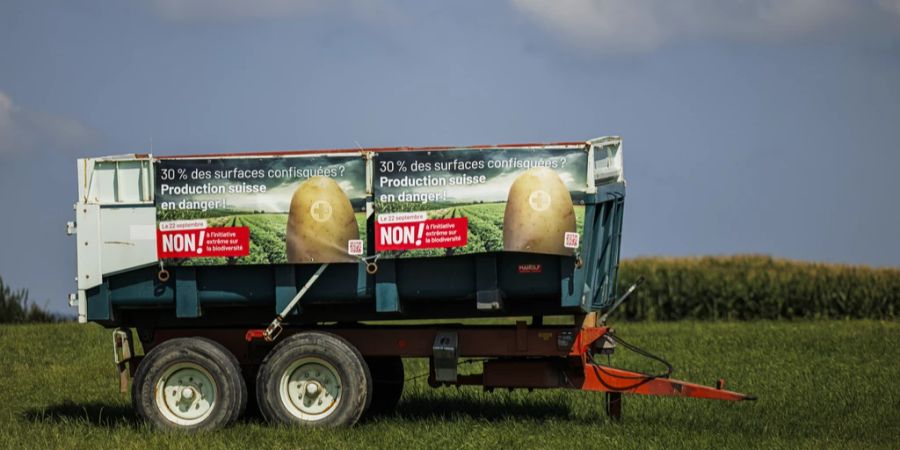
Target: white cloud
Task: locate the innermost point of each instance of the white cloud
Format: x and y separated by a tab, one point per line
27	132
200	10
641	25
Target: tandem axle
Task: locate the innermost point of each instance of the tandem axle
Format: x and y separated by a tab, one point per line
515	357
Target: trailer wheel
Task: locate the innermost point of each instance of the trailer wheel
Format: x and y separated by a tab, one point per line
387	383
313	379
189	384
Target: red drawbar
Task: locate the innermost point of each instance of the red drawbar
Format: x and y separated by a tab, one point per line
602	378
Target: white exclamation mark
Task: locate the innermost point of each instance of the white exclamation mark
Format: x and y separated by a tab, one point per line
200	246
421	230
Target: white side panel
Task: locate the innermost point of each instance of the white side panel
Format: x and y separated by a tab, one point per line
88	242
608	167
118	181
128	182
103	182
128	238
115	220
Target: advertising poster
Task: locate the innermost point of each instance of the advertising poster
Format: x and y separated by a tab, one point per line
261	210
455	202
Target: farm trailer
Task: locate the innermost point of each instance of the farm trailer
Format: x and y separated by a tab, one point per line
284	275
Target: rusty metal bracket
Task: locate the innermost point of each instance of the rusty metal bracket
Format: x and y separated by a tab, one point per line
123	355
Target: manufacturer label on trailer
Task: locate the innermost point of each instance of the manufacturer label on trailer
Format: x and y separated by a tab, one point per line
530	268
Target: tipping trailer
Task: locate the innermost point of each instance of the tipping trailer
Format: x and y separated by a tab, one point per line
274	274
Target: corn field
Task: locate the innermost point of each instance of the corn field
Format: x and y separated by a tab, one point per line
757	287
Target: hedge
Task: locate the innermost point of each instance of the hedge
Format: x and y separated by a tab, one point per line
16	308
756	287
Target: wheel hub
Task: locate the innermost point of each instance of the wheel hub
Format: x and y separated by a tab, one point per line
311	389
186	394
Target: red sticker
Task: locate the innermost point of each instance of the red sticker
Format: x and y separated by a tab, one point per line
571	240
436	233
530	268
202	243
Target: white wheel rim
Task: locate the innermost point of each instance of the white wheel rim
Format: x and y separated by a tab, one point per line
310	389
186	394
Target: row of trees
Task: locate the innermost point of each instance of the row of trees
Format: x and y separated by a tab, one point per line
15	307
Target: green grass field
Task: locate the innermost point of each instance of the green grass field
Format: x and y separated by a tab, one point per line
821	384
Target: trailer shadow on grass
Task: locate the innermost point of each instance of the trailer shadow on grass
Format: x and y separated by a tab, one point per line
97	414
416	408
428	408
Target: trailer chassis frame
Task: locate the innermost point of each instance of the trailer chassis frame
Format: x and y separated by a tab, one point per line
516	357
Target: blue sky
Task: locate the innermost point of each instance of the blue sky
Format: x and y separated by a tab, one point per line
756	126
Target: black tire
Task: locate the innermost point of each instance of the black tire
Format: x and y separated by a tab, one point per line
243	391
313	351
198	354
387	384
252	410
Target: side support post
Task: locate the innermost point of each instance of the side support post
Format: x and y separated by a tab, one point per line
285	286
487	294
99	303
387	297
614	405
187	305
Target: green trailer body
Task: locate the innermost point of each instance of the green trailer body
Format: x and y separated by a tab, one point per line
148	291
